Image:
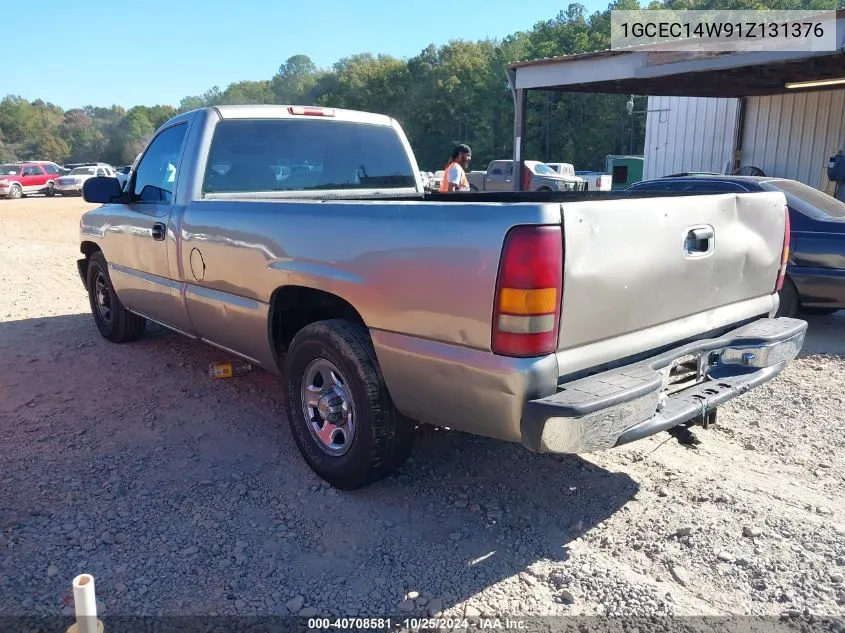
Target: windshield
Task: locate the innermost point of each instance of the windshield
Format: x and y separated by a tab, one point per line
9	170
82	171
545	170
808	200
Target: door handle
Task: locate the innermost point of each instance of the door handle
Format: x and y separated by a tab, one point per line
159	231
699	240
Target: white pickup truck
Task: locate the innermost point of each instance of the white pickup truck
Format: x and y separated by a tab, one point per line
569	322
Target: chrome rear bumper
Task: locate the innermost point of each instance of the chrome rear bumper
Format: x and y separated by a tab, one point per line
631	402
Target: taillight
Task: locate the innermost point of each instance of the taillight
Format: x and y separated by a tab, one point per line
598	183
310	111
784	256
526	314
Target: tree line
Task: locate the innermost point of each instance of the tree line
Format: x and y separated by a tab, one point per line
446	94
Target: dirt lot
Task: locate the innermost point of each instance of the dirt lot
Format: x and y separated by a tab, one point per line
183	495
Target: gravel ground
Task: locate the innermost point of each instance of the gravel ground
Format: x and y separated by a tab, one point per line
183	495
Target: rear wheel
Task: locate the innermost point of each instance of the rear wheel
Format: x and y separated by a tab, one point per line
115	323
51	190
338	407
788	299
15	192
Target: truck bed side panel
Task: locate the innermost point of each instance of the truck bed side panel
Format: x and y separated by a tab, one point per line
423	269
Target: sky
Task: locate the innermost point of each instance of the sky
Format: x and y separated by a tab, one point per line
153	51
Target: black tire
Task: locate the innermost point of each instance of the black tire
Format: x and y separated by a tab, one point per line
381	437
15	192
115	323
51	190
788	299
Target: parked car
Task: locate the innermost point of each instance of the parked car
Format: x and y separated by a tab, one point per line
49	166
21	179
122	174
596	180
450	310
436	178
72	183
815	275
539	177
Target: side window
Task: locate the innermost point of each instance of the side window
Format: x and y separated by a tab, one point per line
101	171
31	171
155	177
714	187
496	172
51	169
651	187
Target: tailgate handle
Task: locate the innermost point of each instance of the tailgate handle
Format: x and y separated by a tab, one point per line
699	240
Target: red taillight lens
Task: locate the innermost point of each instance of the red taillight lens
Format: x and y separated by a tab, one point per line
526	314
784	256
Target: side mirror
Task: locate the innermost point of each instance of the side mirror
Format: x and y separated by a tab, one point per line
101	189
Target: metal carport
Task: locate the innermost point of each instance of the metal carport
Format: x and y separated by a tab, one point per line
650	72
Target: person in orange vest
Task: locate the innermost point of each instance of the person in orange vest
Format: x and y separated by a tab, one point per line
455	174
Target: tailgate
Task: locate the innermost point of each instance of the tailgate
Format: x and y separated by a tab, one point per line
629	264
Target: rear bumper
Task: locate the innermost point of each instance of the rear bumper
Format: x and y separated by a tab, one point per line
629	403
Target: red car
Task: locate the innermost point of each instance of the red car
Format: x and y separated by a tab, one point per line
21	179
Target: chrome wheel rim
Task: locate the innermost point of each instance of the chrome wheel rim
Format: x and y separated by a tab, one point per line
328	407
102	297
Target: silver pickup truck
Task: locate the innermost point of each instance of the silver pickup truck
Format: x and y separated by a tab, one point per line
300	239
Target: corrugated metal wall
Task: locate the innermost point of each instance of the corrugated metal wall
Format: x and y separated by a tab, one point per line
790	136
688	134
793	135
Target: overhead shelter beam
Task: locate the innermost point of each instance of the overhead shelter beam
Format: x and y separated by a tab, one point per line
694	73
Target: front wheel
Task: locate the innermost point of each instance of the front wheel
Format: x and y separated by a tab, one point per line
115	323
338	407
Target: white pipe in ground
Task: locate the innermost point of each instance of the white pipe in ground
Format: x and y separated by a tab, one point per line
85	603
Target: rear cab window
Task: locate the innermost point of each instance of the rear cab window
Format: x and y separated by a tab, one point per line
284	155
